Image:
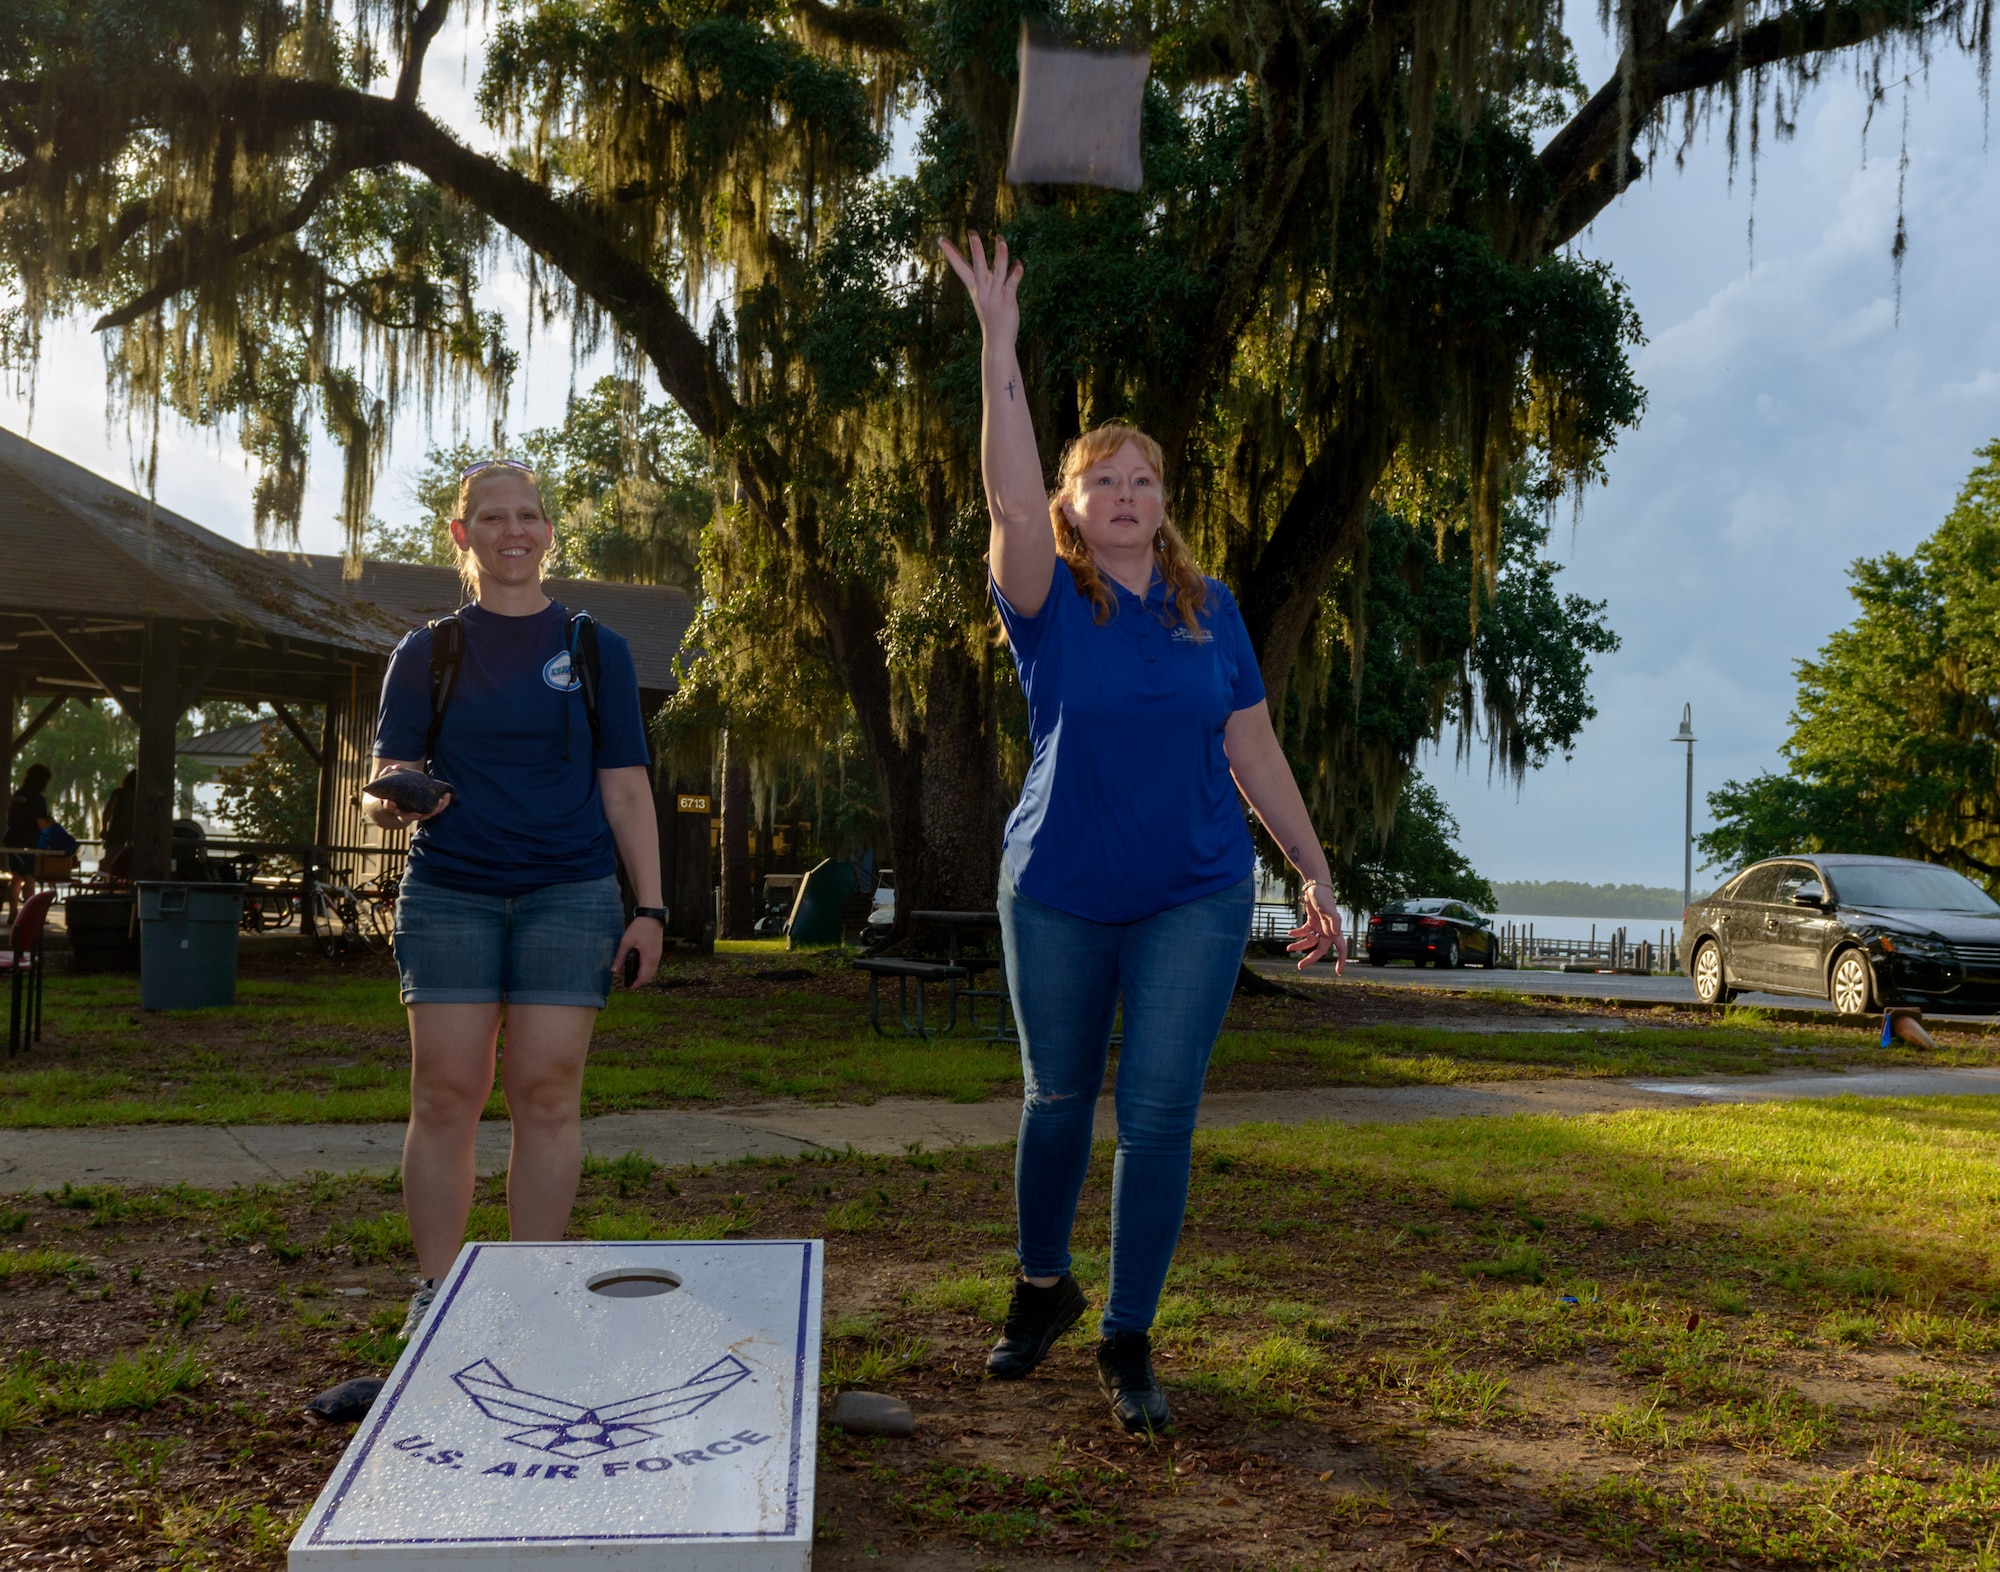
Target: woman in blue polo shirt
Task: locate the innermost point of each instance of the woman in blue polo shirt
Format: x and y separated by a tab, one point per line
1126	877
510	914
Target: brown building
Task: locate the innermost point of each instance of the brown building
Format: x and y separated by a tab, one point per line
104	593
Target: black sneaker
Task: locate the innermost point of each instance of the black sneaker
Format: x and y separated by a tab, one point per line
1035	1319
1125	1371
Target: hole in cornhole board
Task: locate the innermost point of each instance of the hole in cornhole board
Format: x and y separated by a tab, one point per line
1076	117
624	1283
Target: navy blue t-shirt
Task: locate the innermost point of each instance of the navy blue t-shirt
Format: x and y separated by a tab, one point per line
522	817
1128	807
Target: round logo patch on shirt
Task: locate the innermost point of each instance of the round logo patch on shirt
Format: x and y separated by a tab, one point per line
559	675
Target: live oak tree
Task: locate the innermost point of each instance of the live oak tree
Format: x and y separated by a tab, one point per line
1895	743
1344	282
626	480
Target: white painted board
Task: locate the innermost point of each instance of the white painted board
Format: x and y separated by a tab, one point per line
537	1421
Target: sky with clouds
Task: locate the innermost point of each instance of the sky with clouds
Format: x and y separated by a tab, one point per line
1793	423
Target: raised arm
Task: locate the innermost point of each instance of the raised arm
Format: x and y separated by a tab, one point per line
1020	549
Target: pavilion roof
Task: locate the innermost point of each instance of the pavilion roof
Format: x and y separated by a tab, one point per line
84	563
652	618
74	544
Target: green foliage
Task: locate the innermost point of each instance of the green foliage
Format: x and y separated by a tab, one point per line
1895	744
1567	898
275	796
627	482
1419	856
1406	663
88	745
1346	281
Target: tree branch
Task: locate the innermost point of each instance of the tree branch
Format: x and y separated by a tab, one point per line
422	31
195	257
572	236
1587	167
873	28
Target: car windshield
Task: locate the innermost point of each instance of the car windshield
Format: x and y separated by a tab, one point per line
1913	887
1407	908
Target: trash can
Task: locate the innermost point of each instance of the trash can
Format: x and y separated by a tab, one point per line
817	908
103	933
187	944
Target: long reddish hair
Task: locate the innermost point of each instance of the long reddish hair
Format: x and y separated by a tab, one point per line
1187	592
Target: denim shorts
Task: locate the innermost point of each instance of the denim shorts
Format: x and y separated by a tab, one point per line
550	946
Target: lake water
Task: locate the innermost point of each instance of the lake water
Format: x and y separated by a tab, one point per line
1636	928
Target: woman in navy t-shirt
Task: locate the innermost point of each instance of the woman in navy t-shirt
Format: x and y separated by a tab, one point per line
510	913
1126	877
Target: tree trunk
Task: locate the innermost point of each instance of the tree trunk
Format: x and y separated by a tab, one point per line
736	914
958	865
1322	526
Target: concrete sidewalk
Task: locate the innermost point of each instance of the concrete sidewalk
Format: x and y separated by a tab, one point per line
216	1157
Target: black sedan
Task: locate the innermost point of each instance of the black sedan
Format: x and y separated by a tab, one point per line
1431	933
1863	932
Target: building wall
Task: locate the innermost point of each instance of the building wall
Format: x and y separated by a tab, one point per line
347	751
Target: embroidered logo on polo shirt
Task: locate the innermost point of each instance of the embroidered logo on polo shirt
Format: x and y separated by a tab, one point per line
559	675
1181	635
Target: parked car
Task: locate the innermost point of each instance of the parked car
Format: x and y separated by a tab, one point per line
1431	932
1861	932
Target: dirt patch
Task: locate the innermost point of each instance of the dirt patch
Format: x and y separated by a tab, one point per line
1345	1394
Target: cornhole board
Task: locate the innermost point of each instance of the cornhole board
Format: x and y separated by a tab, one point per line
594	1406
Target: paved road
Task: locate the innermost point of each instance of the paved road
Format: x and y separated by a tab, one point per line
213	1157
1570	985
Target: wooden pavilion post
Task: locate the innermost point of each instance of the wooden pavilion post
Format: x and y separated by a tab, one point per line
159	715
734	918
10	709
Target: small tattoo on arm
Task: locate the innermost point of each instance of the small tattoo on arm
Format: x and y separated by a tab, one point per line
1010	391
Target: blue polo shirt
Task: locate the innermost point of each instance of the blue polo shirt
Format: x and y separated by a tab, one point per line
1128	807
523	816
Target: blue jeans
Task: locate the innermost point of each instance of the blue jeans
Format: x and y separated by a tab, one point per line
1174	973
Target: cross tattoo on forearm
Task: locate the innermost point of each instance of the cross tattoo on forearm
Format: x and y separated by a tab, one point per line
1010	390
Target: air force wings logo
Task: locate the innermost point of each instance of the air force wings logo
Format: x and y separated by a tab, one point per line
553	1424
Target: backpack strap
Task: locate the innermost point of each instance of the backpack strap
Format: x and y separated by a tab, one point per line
589	667
447	655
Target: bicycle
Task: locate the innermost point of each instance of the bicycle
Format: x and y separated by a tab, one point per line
346	919
378	899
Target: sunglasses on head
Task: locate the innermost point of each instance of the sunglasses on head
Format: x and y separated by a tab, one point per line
495	463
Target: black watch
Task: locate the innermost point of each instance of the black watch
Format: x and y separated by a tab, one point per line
657	913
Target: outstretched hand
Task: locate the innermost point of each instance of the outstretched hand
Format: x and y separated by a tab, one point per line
1318	933
991	285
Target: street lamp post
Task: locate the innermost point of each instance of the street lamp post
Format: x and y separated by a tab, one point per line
1686	735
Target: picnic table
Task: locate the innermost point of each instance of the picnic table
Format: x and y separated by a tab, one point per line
961	971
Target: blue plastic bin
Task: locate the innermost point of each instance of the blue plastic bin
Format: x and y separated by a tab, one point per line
187	944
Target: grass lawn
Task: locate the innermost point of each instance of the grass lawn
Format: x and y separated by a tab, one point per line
309	1042
1728	1337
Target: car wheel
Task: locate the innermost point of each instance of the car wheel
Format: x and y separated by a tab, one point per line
1450	958
1710	985
1851	989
